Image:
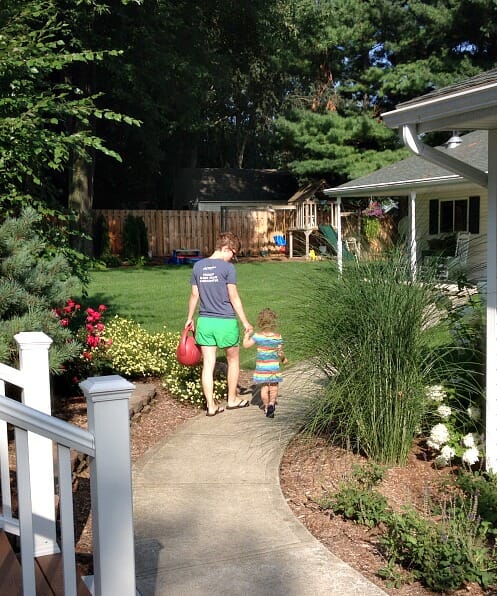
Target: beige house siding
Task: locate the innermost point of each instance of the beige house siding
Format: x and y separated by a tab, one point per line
476	264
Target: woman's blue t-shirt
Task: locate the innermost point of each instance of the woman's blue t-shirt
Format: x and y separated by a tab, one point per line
212	277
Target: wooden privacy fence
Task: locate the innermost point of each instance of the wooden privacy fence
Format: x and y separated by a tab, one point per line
172	230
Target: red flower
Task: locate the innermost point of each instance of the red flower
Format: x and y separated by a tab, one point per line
93	315
90	327
87	355
64	322
92	341
100	327
102	308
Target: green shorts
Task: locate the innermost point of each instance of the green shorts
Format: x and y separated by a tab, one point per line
212	331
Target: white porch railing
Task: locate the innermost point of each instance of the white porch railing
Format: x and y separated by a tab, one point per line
106	442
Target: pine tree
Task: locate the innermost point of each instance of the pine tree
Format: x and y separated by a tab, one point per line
32	285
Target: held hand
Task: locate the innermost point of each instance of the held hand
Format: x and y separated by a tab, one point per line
190	323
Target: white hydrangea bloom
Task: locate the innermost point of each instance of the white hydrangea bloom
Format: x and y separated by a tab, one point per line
470	440
444	411
440	434
470	456
433	445
435	393
474	413
447	452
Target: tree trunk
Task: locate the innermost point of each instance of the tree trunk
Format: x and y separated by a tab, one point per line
81	202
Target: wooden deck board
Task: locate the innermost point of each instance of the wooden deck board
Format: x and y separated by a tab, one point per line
10	569
50	567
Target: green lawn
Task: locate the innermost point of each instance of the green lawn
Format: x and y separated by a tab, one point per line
158	296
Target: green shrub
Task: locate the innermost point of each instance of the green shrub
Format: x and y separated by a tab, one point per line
101	240
445	555
454	420
445	547
135	352
356	499
135	240
482	487
33	283
358	503
88	328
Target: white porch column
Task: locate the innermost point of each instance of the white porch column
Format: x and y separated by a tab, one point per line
339	234
412	233
33	364
491	384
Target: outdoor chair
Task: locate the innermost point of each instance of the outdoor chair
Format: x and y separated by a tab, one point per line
353	247
450	266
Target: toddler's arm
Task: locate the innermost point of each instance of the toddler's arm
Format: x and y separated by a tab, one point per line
282	356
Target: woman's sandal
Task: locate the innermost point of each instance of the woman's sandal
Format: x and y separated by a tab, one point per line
270	411
217	411
243	404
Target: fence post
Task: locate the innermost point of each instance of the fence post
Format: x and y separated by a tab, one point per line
107	401
33	364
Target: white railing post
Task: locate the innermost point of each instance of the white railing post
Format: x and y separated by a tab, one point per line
34	367
339	236
110	477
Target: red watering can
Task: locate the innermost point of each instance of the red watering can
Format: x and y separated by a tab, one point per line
188	351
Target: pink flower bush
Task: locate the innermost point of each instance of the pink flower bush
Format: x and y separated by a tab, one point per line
89	329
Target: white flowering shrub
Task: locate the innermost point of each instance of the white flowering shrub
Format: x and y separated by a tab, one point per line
184	382
455	432
136	352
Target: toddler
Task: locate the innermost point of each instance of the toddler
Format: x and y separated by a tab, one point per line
269	354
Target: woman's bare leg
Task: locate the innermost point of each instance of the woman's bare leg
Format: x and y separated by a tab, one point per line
209	362
233	360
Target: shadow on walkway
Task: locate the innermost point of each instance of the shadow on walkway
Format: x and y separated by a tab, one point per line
210	518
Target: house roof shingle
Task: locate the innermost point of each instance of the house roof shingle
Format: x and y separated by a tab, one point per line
414	171
480	80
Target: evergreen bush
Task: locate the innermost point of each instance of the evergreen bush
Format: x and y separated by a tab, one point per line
32	286
135	240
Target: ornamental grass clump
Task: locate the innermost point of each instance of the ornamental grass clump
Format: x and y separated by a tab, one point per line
374	330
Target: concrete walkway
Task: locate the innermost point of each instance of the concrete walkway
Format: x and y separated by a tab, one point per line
210	517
